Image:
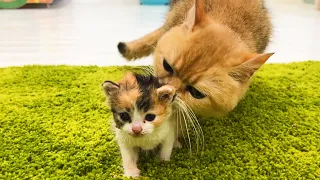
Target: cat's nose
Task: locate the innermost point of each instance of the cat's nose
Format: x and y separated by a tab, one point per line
175	82
136	128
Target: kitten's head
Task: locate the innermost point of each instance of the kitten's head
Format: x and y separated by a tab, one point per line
139	103
208	64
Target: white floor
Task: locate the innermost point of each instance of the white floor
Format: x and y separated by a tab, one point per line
86	32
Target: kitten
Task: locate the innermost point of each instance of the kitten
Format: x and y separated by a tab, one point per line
208	50
142	110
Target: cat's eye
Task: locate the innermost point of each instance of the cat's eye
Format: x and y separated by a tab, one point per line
195	93
124	116
167	67
150	117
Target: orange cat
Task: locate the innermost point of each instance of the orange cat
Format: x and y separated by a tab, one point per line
208	50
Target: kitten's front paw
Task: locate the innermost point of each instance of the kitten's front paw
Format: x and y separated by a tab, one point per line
165	157
134	172
177	144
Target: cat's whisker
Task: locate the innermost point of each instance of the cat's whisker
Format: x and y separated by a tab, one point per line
177	124
180	123
182	131
153	47
192	117
193	126
201	135
186	124
180	111
135	56
148	70
195	129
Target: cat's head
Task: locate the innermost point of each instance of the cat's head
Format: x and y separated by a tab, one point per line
139	103
208	64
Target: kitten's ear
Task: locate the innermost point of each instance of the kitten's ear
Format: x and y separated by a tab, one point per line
130	78
244	71
195	15
110	88
166	93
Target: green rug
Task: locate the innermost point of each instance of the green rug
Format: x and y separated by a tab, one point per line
54	125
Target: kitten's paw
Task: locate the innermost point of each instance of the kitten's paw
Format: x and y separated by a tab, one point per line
177	144
164	157
134	172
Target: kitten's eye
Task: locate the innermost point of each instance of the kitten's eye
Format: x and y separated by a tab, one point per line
124	116
195	93
167	67
150	117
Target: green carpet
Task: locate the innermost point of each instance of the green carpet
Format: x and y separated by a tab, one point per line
54	124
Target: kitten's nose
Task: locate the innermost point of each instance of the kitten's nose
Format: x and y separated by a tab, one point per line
136	128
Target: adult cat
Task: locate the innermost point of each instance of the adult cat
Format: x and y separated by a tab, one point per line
208	50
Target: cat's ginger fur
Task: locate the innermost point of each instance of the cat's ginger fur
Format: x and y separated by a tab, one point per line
213	45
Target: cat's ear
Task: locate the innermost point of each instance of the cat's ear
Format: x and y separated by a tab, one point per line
195	15
244	71
110	88
166	94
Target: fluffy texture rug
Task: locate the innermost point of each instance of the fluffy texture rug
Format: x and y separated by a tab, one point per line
54	124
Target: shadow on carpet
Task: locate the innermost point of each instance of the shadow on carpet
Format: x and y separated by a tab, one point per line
54	124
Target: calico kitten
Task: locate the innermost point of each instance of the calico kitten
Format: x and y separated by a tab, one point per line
208	50
142	110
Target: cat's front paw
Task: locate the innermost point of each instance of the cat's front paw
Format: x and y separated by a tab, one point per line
133	172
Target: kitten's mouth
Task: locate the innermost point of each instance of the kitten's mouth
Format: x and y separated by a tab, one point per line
174	97
137	135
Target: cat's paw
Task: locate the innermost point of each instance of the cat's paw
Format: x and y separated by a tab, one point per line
133	172
177	144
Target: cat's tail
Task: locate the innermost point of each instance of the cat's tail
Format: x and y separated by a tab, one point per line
141	47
